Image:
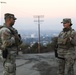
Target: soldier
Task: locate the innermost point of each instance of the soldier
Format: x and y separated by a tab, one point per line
9	42
66	48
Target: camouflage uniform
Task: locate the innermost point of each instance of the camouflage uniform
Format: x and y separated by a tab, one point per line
9	48
66	50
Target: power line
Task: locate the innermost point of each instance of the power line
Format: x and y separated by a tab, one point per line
39	22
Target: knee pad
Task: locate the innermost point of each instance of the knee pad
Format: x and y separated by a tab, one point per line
10	67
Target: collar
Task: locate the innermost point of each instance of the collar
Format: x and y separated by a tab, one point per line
67	29
6	26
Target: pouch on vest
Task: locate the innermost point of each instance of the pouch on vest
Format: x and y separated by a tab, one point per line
62	41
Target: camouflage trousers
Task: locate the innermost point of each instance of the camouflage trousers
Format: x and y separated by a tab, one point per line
66	67
9	65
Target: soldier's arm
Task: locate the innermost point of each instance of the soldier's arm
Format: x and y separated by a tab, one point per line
7	38
73	39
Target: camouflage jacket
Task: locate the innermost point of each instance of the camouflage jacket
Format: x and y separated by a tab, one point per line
67	39
9	36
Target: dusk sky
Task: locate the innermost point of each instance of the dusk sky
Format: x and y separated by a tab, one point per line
53	10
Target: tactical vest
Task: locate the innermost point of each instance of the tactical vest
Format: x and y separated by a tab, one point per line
63	38
17	41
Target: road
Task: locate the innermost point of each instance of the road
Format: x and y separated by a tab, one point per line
35	64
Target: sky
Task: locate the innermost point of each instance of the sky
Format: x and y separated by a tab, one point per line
53	10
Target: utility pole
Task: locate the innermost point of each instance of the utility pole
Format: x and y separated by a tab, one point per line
39	22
